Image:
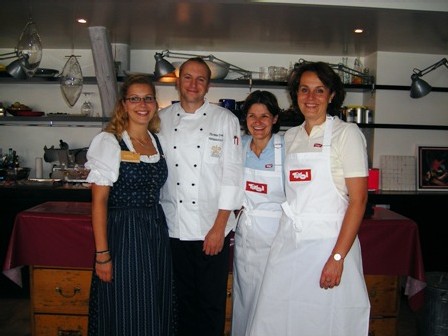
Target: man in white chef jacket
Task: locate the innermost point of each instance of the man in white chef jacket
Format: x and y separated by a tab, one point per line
202	147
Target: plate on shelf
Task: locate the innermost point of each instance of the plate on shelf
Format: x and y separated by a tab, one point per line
25	113
42	72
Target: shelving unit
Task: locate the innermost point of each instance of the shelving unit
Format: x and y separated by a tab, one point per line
79	121
54	121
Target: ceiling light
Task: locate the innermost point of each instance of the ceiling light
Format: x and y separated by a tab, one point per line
358	30
81	20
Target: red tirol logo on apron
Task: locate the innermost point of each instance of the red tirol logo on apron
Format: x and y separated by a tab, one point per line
300	175
261	188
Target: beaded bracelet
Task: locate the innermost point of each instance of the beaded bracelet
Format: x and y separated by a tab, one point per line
103	262
103	252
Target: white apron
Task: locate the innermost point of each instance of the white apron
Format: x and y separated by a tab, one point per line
257	226
291	302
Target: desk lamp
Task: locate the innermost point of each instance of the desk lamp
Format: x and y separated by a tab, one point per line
28	53
220	67
419	87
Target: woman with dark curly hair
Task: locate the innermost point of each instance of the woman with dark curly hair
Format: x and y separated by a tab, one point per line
313	283
131	291
263	153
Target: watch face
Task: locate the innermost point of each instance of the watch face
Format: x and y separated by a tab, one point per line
337	257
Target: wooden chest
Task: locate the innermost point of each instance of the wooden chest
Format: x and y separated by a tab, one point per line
384	295
228	325
59	301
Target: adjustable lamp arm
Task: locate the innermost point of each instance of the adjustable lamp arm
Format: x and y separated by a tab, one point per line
9	55
211	58
167	53
420	73
245	73
341	67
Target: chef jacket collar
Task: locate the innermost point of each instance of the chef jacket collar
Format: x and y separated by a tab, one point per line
203	107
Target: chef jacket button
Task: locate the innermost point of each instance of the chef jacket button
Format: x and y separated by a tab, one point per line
199	146
180	201
178	114
193	202
175	130
201	129
195	165
178	183
174	147
176	165
193	184
205	114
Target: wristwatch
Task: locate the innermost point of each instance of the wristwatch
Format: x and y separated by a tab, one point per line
337	257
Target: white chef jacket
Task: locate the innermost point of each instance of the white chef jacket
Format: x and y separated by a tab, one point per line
203	152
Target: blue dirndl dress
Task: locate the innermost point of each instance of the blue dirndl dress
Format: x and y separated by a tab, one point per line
139	300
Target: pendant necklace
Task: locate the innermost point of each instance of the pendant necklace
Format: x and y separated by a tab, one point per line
141	143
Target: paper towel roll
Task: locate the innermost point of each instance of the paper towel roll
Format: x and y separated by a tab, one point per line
39	167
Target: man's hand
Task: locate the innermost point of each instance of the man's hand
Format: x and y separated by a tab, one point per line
213	242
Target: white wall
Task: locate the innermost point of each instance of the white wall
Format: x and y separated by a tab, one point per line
397	107
389	106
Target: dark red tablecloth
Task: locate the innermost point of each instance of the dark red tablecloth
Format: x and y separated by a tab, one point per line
60	234
390	245
51	234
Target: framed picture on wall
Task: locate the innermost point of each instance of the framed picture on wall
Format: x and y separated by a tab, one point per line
432	169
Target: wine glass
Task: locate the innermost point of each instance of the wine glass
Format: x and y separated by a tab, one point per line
87	106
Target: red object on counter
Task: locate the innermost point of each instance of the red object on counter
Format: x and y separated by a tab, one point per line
373	181
60	234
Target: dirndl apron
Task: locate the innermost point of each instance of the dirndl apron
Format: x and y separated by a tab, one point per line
291	302
257	226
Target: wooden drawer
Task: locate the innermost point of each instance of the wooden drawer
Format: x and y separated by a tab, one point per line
60	325
383	326
228	325
60	290
384	295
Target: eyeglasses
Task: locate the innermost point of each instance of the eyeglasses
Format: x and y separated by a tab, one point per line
136	99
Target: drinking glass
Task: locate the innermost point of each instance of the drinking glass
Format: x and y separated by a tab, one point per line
87	106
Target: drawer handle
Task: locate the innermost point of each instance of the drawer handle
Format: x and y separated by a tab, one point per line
69	332
61	292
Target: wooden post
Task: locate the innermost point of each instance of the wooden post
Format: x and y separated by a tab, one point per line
104	68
